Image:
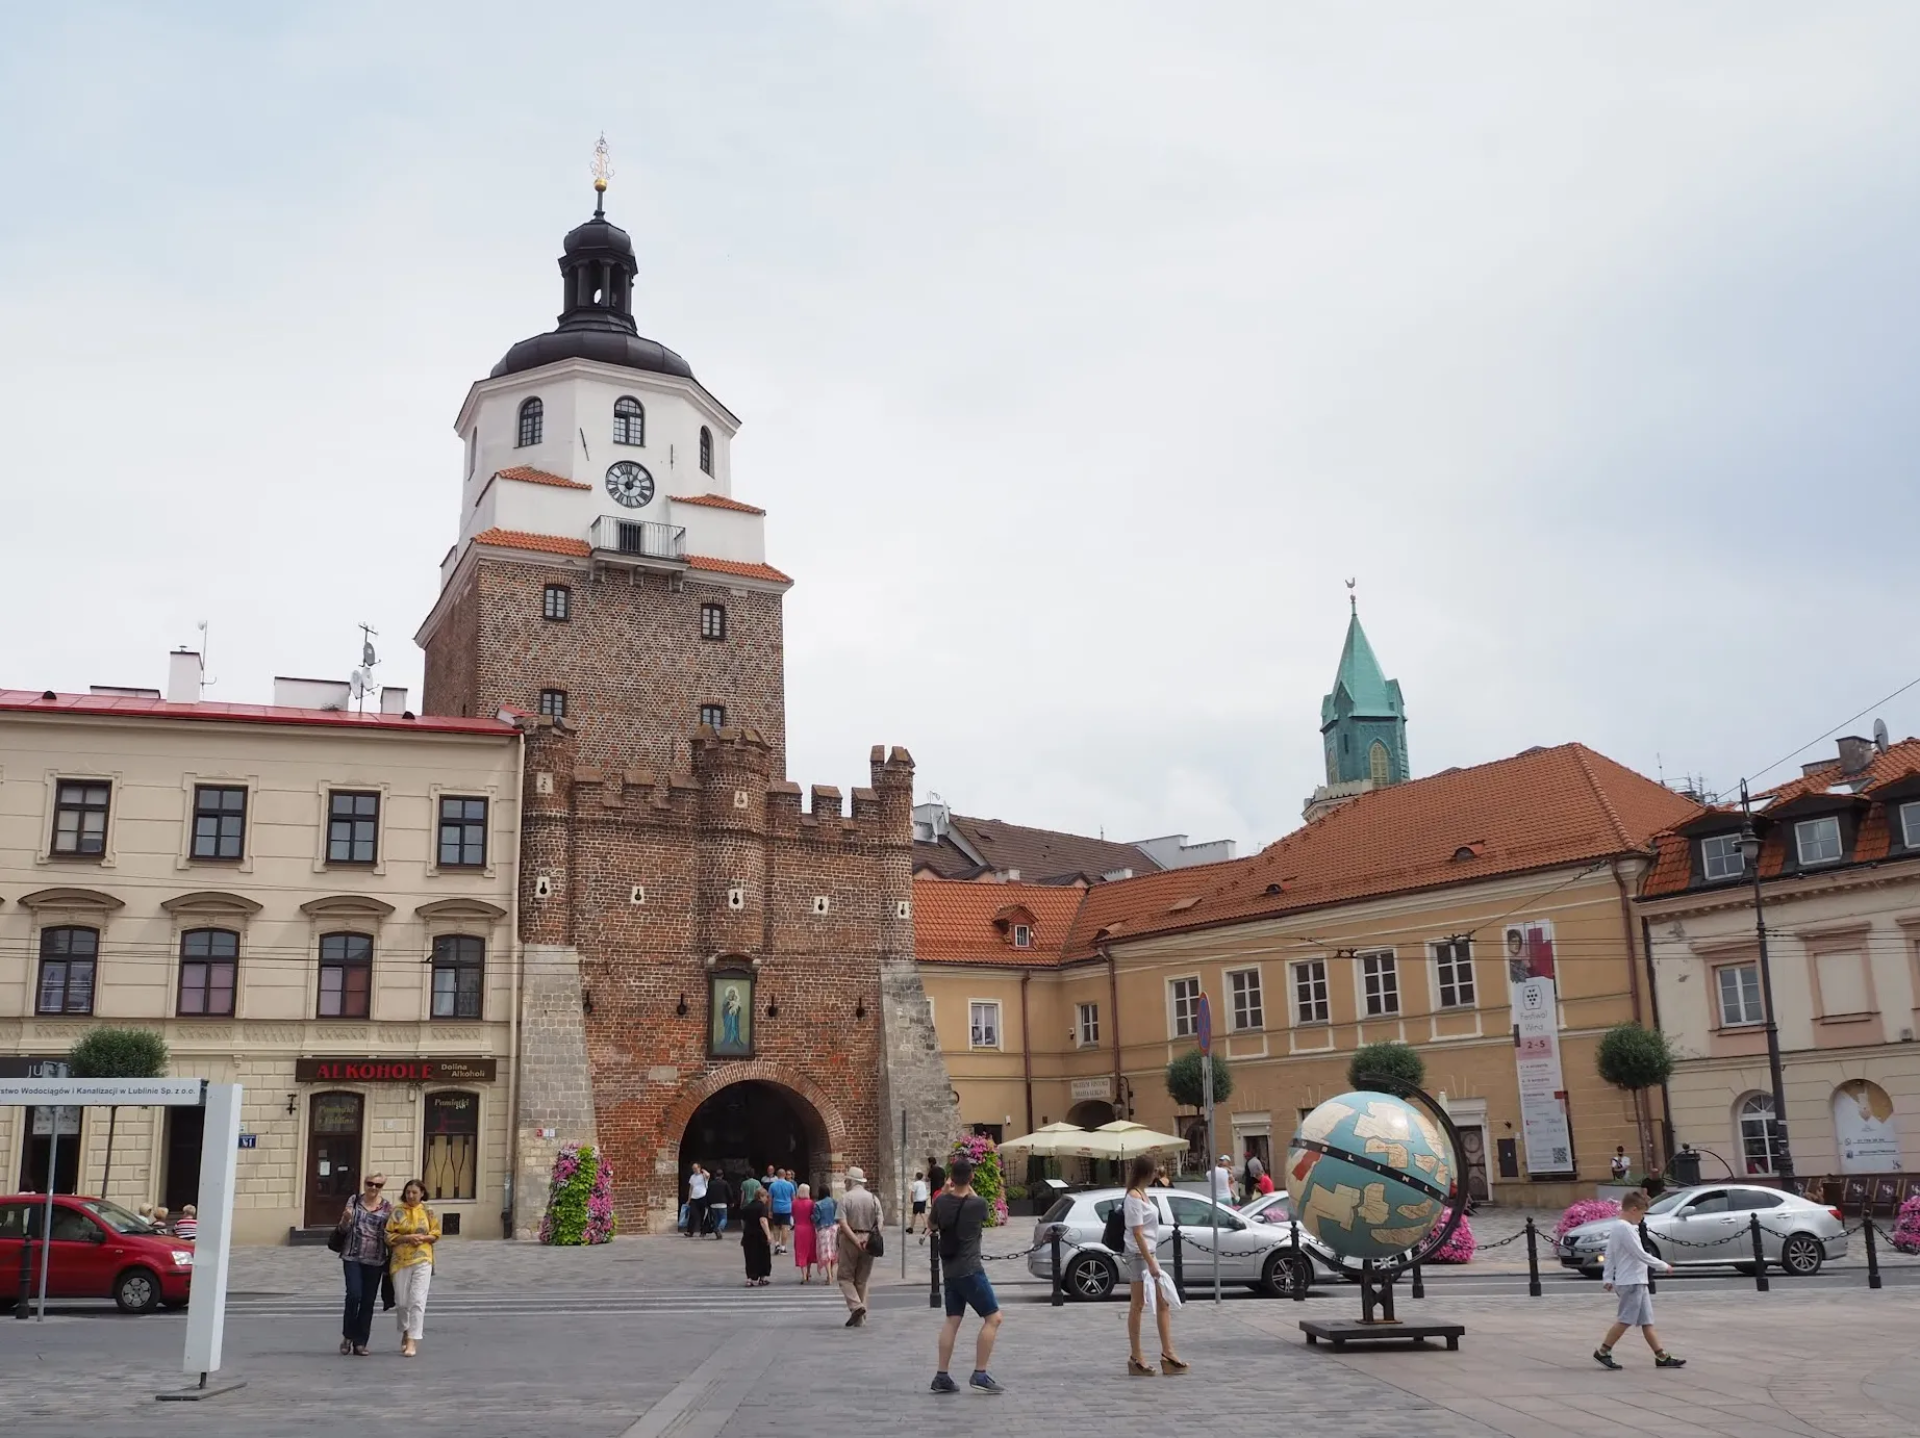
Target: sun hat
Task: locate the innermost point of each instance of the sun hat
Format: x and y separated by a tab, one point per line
856	1174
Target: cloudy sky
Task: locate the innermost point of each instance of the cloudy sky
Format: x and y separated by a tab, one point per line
1084	351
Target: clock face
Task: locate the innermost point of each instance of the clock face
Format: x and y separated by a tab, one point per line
630	484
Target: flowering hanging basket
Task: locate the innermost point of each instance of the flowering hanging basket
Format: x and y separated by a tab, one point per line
1459	1248
988	1181
1906	1229
580	1198
1588	1210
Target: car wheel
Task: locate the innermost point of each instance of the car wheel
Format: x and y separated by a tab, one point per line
1589	1272
1088	1278
137	1291
1286	1274
1802	1255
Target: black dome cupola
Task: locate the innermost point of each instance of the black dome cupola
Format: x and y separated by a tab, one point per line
597	268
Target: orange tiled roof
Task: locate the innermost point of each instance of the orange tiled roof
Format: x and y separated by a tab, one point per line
953	922
717	501
1542	809
1672	872
735	566
526	474
543	543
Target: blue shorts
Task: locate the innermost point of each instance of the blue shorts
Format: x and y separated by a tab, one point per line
971	1290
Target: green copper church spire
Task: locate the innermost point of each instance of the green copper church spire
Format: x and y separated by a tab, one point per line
1363	720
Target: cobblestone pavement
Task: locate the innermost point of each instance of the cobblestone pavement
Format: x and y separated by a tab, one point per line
656	1336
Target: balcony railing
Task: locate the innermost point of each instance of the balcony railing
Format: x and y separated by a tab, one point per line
640	539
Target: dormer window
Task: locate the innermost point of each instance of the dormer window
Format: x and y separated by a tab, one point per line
629	421
1721	858
1818	840
1910	825
706	450
1022	936
532	420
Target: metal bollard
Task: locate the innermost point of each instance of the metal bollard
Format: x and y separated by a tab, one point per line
1059	1292
1419	1283
1533	1260
1651	1285
933	1264
1873	1254
1760	1283
1303	1266
1179	1268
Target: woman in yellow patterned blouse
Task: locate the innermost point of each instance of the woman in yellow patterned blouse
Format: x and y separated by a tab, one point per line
410	1236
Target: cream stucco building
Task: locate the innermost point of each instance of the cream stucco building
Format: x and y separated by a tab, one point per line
315	903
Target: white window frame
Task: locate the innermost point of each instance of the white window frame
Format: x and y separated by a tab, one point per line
1379	981
1733	854
1256	1008
1323	996
1023	936
1766	1133
1183	1025
1752	1005
1802	829
1086	1023
1910	824
975	1029
1454	957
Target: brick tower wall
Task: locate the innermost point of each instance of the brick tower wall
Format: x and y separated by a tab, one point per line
630	657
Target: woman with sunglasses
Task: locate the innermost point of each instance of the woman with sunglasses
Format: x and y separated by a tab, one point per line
363	1224
411	1233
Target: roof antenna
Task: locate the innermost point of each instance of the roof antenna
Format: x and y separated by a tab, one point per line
1353	605
205	645
362	678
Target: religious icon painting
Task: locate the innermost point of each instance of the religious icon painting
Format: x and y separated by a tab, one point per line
730	1015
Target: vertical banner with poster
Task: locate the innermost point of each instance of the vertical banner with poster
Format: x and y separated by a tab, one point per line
1533	990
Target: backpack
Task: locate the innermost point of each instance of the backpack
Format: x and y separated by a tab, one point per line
1114	1235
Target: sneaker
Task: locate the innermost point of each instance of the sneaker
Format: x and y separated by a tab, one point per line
1606	1359
943	1383
1667	1360
983	1383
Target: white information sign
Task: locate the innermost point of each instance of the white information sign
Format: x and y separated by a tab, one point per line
1864	1129
132	1093
44	1119
1533	986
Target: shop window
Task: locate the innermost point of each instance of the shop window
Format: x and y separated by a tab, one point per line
453	1141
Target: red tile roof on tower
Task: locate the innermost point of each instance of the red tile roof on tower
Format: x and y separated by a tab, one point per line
539	543
737	567
717	501
1543	809
962	923
1891	777
526	474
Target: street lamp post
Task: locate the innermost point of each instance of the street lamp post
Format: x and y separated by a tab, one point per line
1750	849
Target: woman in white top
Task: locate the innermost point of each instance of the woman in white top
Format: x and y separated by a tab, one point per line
1142	1220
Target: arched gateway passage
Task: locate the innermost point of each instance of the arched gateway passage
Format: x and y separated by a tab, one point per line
747	1127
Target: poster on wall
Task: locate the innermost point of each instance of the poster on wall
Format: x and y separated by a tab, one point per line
1863	1128
1533	991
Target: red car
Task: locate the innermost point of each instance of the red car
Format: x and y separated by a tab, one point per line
99	1251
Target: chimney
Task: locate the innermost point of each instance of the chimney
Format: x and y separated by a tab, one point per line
1856	754
392	700
183	677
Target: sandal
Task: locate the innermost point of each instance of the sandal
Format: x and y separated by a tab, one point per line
1137	1369
1170	1364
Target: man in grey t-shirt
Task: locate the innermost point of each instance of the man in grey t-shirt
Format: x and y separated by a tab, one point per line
958	1216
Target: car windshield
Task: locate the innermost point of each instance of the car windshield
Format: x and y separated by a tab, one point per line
116	1217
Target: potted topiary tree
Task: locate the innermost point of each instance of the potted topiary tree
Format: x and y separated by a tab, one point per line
1636	1058
1394	1068
1183	1080
116	1053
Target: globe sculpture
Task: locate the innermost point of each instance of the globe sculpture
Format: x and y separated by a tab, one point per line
1370	1175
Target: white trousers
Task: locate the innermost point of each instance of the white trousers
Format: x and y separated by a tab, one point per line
410	1286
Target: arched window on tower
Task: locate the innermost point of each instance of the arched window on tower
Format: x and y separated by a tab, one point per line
1379	763
532	416
706	450
629	421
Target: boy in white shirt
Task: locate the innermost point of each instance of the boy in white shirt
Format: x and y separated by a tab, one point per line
1625	1275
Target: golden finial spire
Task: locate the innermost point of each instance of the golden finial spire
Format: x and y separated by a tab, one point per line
602	170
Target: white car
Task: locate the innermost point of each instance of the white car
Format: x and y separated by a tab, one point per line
1252	1253
1711	1225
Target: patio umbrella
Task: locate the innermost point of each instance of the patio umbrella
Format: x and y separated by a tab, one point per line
1123	1138
1056	1140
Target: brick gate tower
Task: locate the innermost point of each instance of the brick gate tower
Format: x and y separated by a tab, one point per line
713	970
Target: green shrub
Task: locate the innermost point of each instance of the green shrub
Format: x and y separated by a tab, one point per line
1183	1080
108	1052
1631	1056
1393	1067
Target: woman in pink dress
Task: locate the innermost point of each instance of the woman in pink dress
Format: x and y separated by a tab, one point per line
803	1240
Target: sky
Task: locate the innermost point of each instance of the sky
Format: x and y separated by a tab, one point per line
1084	352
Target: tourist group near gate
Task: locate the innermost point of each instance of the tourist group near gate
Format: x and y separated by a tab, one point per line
568	901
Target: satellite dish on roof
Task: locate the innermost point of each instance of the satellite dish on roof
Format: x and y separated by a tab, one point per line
357	684
1880	735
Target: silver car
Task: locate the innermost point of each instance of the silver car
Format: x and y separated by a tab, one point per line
1710	1226
1251	1253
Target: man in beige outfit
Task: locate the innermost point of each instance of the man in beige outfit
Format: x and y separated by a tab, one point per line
859	1219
